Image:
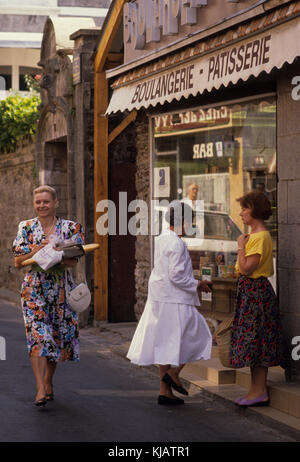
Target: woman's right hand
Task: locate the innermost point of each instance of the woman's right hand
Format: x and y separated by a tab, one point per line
34	249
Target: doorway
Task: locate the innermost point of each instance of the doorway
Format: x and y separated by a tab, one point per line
121	256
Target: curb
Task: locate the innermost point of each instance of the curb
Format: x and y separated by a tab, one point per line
259	415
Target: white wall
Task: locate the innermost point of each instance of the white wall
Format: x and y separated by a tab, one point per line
16	57
25	3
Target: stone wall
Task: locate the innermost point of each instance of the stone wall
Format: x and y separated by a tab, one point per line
288	131
143	243
17	181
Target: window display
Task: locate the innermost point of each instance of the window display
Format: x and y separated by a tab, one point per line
215	155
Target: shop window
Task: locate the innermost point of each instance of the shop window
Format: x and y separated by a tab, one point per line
217	154
5	78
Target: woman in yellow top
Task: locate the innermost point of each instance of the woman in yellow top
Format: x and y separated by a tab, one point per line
256	335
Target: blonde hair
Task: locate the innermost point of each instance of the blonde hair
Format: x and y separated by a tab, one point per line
45	188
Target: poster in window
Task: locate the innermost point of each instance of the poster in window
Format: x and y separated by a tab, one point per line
162	182
206	275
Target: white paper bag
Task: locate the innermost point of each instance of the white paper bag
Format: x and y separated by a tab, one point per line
48	257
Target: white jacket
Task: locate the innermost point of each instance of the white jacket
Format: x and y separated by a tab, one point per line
172	278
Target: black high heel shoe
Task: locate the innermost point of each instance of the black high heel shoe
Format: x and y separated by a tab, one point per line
50	396
41	402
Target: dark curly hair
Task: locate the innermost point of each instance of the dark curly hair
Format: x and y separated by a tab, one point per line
259	204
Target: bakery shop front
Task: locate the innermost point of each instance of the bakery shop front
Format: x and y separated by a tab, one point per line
215	118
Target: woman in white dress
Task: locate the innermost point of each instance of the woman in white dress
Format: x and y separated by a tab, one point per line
171	331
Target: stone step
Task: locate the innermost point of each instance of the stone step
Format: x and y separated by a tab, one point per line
211	370
243	376
230	392
284	397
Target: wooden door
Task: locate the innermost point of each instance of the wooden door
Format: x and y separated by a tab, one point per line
121	255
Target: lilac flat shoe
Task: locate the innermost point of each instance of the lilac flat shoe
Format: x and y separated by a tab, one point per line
262	400
238	400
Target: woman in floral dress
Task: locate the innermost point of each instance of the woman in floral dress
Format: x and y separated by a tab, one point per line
257	333
51	326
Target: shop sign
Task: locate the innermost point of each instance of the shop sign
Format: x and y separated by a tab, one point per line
219	117
217	149
217	67
228	65
146	21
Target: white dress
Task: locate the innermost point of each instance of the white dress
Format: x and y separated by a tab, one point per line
171	330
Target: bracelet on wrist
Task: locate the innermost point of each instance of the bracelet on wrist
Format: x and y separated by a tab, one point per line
241	248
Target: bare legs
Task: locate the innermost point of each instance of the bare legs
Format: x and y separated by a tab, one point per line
39	366
51	368
43	372
258	382
174	372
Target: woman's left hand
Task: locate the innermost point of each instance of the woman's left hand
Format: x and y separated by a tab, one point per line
242	240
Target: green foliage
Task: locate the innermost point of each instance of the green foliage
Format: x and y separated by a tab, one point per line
32	83
18	119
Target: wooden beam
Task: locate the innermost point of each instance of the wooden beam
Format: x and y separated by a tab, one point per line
115	57
100	193
116	131
101	158
109	34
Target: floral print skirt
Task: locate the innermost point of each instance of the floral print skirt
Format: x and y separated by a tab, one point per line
51	326
257	333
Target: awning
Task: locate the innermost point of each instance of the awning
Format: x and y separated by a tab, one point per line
261	45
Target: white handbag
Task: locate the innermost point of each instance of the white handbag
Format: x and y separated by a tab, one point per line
78	298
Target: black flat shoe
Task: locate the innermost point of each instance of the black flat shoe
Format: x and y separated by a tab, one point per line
172	401
169	381
41	402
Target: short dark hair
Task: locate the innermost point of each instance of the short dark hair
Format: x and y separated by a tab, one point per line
178	213
259	204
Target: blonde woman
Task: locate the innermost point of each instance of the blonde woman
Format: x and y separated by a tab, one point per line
51	326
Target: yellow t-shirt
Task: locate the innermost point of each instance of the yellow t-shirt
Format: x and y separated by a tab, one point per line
260	243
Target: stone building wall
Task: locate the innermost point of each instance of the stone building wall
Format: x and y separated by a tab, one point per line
288	145
83	157
143	243
17	181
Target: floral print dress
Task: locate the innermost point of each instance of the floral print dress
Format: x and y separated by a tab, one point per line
257	331
50	324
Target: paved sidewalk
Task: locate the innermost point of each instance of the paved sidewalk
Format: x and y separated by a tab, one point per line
119	336
104	398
